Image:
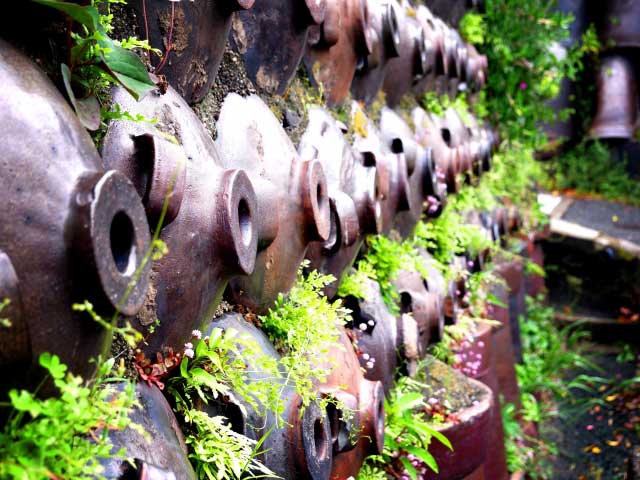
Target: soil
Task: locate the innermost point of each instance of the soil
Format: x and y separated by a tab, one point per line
452	390
597	443
231	78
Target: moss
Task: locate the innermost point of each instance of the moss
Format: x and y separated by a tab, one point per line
449	387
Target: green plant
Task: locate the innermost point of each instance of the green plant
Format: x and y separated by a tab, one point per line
65	436
549	352
525	453
96	61
216	369
408	434
220	453
517	38
355	282
589	169
472	28
383	260
302	325
4	322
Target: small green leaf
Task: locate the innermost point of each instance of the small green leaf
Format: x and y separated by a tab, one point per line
496	301
53	365
407	401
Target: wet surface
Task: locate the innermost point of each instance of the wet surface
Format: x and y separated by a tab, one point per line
596	441
613	219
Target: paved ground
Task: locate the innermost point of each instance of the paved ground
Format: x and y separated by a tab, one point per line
613	219
596	443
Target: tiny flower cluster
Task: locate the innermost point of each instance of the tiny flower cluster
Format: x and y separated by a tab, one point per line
419	465
468	361
433	204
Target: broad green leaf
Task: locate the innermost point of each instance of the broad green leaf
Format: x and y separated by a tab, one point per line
440	437
126	68
87	109
410	468
425	456
407	401
87	15
496	301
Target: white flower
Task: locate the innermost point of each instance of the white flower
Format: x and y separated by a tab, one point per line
188	352
362	326
196	334
365	356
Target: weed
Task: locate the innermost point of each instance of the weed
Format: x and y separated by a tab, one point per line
5	322
408	434
214	369
302	325
96	61
589	169
65	436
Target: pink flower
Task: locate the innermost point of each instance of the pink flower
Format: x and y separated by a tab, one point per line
188	352
589	427
523	86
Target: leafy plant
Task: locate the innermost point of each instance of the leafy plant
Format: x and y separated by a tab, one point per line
4	322
589	169
517	39
549	352
355	282
215	369
302	325
383	260
96	61
525	453
65	436
472	28
219	453
408	434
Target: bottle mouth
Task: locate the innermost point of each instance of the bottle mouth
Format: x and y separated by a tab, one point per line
235	225
344	421
314	429
110	218
391	31
373	208
316	10
315	201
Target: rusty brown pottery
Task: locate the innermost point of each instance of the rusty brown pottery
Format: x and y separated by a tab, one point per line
346	383
210	225
295	206
191	36
423	182
342	41
70	232
275	26
385	45
617	107
300	446
159	453
391	167
404	72
355	194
